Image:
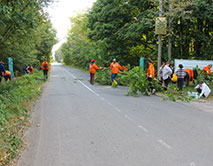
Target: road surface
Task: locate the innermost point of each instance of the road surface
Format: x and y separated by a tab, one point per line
77	124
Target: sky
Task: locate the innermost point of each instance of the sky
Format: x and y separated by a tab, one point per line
61	11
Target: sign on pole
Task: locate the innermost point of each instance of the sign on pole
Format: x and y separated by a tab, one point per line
161	26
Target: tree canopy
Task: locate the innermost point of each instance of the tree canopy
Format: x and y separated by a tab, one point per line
125	29
26	33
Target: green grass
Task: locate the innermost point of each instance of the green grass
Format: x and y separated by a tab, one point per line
16	98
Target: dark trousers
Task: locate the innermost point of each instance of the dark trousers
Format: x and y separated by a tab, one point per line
113	76
92	78
166	82
8	77
187	79
199	91
150	83
180	82
45	73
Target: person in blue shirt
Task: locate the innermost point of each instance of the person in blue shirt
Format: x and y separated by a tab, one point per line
26	69
2	70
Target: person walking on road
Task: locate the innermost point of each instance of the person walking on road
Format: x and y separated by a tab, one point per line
203	89
45	68
115	67
166	73
151	75
2	70
180	74
92	69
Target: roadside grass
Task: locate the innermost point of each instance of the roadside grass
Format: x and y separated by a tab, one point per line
16	100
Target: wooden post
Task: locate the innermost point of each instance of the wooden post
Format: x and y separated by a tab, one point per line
170	36
160	36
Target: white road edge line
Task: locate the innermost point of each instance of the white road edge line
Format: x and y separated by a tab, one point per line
83	84
93	91
164	144
143	128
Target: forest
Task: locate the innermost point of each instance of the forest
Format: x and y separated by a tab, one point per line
26	33
125	29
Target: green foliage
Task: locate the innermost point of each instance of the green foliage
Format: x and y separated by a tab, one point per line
26	33
134	78
15	98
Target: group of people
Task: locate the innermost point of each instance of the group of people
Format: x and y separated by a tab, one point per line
4	73
167	74
44	66
115	67
27	70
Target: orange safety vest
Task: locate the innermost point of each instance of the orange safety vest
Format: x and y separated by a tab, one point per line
207	70
151	71
190	72
93	67
45	63
7	73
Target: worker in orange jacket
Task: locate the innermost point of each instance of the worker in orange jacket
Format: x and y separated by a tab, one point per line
207	69
45	68
8	75
190	75
115	67
92	69
151	75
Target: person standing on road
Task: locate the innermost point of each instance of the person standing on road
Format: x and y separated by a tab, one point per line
166	73
92	69
151	75
180	74
203	89
115	67
2	70
45	68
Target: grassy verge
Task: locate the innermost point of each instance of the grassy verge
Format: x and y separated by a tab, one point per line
16	99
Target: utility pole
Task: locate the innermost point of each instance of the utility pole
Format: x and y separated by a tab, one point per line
160	36
170	36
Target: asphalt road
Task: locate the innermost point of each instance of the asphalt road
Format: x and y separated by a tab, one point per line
77	124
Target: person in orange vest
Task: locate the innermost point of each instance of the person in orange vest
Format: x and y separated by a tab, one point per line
115	67
207	69
31	69
8	75
190	75
151	75
92	69
45	68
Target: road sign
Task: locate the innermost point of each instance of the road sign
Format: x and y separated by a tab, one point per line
161	26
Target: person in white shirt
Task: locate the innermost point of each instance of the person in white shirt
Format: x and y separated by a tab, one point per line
203	89
166	73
